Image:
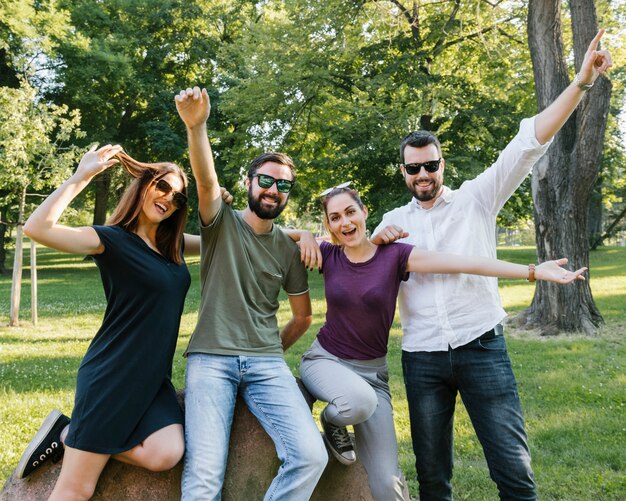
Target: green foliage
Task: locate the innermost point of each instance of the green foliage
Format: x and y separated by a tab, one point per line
571	387
337	85
27	33
35	142
334	84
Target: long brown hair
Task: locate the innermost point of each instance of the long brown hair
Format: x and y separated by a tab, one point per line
170	231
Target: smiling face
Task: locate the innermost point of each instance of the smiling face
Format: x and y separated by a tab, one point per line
345	219
425	186
268	203
157	204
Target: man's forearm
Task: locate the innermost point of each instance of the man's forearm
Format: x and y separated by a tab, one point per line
294	330
201	158
550	120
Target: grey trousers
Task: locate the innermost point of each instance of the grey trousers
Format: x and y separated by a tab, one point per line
357	392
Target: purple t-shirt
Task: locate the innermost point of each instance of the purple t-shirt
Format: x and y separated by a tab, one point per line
361	300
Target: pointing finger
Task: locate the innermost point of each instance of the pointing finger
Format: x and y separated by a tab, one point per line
596	40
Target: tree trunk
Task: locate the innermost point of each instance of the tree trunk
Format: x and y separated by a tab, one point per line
563	180
16	283
3	233
103	185
596	214
33	282
610	231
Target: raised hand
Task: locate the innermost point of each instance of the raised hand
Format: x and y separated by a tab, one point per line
552	271
97	160
194	106
596	62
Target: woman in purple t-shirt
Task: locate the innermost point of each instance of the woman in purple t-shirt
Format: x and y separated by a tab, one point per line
346	365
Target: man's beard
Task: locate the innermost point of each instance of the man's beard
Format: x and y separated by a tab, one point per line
265	212
425	196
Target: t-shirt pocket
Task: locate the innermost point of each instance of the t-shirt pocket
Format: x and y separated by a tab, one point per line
270	283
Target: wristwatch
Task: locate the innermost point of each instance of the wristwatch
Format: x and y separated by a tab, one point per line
580	84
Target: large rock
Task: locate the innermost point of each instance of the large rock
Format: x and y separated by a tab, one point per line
252	464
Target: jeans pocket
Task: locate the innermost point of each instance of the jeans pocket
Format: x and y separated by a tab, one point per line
495	343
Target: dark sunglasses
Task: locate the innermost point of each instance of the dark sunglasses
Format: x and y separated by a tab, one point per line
179	200
431	166
282	185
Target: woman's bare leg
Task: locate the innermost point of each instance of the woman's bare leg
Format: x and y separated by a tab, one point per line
161	451
79	475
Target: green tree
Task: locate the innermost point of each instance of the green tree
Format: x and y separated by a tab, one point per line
125	62
27	33
35	154
564	179
338	84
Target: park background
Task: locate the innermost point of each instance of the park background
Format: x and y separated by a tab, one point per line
335	85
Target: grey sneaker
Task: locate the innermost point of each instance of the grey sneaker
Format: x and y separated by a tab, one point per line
45	445
338	441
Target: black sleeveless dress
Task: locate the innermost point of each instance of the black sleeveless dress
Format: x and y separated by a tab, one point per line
124	390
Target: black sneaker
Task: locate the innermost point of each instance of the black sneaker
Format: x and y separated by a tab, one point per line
45	445
338	441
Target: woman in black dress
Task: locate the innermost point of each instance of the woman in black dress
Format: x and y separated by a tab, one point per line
125	404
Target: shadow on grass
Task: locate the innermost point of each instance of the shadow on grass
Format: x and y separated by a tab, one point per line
42	340
37	373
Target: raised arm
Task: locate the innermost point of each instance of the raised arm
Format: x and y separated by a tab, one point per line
192	242
550	120
42	226
193	106
438	262
302	316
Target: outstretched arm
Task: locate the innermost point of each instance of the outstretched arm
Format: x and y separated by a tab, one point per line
438	262
550	120
193	106
42	226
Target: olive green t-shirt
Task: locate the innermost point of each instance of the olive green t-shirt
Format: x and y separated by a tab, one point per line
241	275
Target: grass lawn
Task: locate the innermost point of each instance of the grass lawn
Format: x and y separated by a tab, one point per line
573	388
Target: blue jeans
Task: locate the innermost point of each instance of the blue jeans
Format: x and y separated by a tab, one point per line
271	393
481	372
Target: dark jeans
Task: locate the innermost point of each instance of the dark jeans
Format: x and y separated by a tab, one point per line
481	372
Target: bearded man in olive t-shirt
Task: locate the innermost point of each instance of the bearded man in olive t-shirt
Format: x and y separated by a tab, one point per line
237	348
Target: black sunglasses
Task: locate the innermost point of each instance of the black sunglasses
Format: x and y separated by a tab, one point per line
431	166
282	185
179	200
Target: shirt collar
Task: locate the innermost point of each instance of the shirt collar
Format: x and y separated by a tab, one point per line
446	196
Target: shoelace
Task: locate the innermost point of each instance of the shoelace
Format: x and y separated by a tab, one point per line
341	437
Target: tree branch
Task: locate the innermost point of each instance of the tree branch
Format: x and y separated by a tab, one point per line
609	230
444	31
403	10
476	34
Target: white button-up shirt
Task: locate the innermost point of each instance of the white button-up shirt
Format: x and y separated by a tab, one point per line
441	310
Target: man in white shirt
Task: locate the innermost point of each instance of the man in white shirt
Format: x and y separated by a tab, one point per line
452	336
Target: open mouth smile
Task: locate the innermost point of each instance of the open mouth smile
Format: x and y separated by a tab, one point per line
424	184
270	200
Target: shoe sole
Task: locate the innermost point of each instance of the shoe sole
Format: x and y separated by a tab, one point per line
336	455
45	428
